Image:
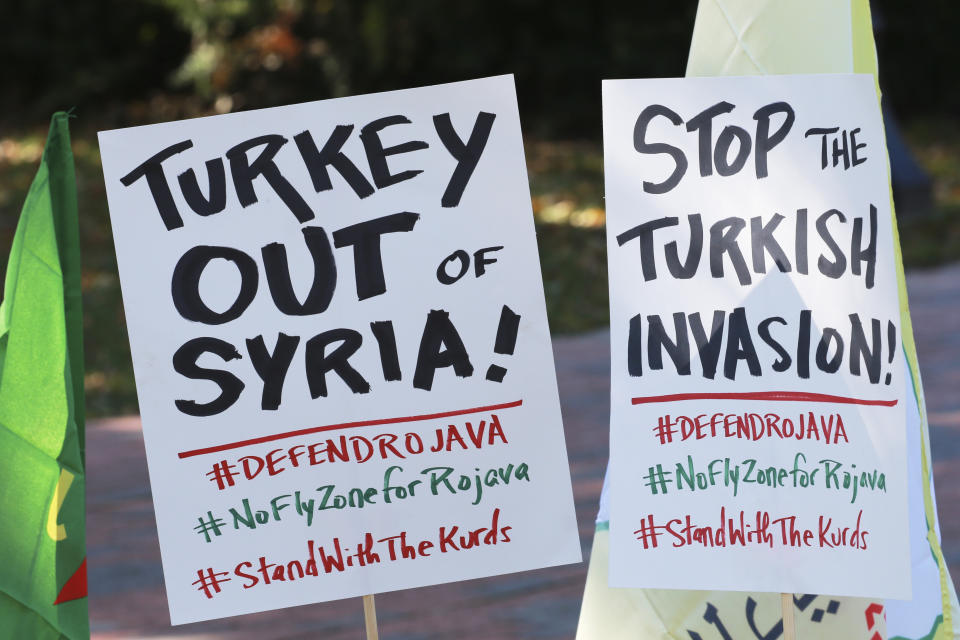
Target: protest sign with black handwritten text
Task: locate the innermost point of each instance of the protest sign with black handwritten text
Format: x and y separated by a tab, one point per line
339	335
757	423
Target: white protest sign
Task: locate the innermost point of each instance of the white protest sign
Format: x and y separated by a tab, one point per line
338	330
757	422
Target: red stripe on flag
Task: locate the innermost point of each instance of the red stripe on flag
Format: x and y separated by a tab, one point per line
76	587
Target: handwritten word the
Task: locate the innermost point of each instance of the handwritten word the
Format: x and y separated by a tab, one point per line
842	150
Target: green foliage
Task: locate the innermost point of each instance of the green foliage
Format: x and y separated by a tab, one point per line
932	240
574	265
917	49
936	144
219	55
223	55
85	54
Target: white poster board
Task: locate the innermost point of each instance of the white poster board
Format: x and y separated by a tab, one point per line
757	422
338	330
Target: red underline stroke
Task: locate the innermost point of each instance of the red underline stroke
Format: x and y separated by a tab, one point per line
775	396
345	425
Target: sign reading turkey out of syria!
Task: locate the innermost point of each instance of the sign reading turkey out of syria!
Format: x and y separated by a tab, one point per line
757	422
339	335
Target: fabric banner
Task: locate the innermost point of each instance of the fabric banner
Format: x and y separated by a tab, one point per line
43	584
746	37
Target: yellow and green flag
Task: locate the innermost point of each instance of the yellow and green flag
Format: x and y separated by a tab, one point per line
43	584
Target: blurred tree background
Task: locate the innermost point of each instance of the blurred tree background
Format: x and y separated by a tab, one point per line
130	62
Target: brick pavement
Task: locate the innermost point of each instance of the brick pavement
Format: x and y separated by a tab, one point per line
126	587
935	310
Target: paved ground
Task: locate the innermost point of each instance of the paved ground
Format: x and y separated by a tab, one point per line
935	309
126	587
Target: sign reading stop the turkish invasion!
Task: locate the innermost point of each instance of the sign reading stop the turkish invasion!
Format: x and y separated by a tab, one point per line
338	330
757	424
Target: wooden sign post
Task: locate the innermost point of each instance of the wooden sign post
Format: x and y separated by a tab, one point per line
370	617
789	624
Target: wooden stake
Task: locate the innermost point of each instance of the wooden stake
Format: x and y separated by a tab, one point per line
370	617
789	626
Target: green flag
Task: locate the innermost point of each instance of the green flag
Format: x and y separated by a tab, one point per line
43	584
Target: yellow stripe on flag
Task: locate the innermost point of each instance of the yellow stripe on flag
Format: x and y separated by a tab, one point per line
58	531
